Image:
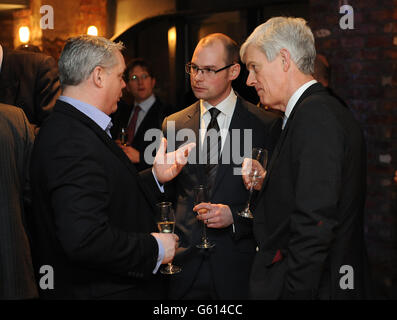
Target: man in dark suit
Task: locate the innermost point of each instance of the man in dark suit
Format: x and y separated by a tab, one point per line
16	142
309	216
94	222
147	112
221	272
29	81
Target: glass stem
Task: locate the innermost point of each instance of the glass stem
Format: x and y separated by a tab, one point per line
204	232
249	197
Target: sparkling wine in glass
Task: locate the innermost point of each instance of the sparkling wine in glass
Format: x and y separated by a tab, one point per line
166	224
260	156
201	195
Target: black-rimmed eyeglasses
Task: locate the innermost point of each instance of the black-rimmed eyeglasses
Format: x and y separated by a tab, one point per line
192	69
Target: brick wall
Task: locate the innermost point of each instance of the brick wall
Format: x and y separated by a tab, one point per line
364	73
71	18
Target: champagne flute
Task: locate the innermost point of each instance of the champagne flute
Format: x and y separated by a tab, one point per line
259	155
166	224
200	195
123	136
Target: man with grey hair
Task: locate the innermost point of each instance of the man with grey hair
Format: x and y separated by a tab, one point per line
93	226
309	217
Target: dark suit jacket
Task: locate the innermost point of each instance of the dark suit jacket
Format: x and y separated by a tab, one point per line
309	217
153	120
232	256
16	142
30	81
93	213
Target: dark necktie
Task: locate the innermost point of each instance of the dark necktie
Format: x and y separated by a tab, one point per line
214	145
132	125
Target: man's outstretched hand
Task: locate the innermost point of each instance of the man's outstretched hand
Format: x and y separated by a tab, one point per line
167	166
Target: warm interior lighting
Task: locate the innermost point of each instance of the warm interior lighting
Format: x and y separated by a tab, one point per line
24	34
172	41
172	36
92	31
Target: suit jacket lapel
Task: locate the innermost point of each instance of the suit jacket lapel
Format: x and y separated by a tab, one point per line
73	112
102	135
315	88
238	119
192	121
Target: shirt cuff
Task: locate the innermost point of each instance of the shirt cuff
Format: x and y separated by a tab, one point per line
161	187
160	256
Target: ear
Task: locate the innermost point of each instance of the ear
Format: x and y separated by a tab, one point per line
153	82
235	71
285	59
98	76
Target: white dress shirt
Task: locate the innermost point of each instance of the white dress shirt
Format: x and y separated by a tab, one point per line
294	99
145	107
226	108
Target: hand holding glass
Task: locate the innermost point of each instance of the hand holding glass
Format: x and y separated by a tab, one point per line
200	195
166	224
256	171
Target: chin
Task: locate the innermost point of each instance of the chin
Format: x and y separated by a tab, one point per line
199	95
114	109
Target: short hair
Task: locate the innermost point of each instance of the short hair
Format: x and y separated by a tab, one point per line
288	33
231	47
82	54
135	63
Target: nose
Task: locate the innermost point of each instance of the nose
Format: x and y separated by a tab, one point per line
198	76
123	85
251	80
140	80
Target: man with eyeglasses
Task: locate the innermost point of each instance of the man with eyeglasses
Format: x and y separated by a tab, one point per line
145	113
221	272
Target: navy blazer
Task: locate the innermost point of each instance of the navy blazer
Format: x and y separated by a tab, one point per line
93	213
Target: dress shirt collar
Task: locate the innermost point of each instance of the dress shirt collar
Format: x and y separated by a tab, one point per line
145	105
96	115
226	106
294	99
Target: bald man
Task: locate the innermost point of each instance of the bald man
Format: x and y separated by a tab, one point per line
220	272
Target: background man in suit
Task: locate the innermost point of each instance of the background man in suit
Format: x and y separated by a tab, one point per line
223	271
93	221
146	112
322	73
309	217
29	81
16	142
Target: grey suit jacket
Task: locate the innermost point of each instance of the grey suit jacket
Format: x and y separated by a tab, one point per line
232	256
16	141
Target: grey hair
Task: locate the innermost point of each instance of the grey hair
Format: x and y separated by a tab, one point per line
288	33
82	54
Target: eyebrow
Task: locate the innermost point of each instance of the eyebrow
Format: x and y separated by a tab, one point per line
210	66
